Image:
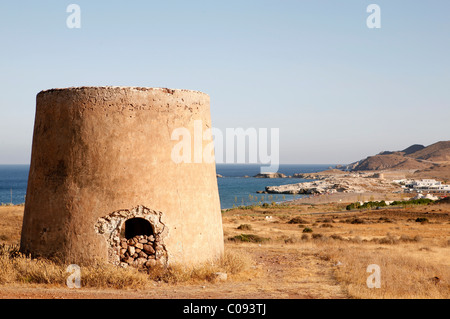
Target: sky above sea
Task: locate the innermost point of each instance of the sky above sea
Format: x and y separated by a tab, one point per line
337	90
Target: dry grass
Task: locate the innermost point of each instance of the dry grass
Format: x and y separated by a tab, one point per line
10	224
329	262
403	275
233	263
414	256
17	268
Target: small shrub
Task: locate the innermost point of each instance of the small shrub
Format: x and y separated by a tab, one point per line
358	221
249	238
307	230
326	226
407	239
317	236
422	220
337	237
298	220
245	227
352	206
290	240
305	237
388	240
385	220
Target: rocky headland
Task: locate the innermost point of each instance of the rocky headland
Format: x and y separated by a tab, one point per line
336	183
270	175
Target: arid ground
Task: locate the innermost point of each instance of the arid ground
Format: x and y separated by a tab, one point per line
301	250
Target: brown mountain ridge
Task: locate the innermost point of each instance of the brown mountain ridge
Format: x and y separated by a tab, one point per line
416	157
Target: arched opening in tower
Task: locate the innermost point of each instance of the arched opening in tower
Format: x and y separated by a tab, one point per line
137	227
135	237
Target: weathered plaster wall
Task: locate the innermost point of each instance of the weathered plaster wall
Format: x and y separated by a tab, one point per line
98	150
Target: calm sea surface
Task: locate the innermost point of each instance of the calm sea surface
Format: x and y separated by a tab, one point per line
13	183
234	188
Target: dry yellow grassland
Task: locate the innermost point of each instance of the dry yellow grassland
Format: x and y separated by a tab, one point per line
296	251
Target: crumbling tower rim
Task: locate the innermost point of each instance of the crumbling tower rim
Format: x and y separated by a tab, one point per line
135	88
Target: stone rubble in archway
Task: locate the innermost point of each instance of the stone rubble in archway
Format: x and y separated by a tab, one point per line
141	251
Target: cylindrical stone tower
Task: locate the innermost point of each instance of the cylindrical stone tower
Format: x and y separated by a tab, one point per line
104	184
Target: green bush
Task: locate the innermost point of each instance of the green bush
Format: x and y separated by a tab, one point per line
250	238
353	206
307	230
420	201
375	204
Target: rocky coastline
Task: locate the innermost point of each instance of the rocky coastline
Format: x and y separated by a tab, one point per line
336	183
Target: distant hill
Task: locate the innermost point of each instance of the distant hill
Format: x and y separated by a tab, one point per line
416	157
437	152
412	149
389	161
407	151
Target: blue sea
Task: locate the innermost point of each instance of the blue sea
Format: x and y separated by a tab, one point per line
234	188
13	183
237	190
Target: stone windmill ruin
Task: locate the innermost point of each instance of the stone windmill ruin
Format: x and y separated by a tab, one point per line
103	186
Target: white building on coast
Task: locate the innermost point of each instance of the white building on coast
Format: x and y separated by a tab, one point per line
425	185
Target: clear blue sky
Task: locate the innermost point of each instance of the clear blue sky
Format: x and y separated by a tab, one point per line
337	90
